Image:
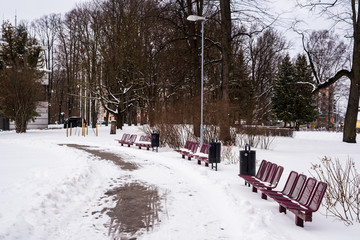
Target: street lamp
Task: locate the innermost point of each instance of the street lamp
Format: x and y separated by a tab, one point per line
337	110
195	18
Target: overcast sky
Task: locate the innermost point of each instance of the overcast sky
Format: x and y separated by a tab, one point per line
33	9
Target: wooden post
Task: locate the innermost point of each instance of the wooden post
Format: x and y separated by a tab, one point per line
96	129
113	127
87	129
70	129
82	127
67	130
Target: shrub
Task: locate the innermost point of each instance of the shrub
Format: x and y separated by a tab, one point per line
172	135
261	136
266	131
228	156
342	197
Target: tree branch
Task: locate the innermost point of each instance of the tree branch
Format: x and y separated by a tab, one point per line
312	66
337	76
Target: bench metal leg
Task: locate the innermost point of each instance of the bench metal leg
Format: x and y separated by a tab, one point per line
263	196
282	209
299	222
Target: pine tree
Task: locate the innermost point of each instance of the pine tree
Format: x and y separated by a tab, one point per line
305	108
20	86
283	91
292	100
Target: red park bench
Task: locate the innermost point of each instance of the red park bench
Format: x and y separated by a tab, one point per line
300	195
144	141
127	139
189	149
203	155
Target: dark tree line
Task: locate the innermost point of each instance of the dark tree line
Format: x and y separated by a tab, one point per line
139	60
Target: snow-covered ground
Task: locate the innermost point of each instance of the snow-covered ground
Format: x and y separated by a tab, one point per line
49	191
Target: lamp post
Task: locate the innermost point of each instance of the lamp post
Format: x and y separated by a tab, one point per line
195	18
337	110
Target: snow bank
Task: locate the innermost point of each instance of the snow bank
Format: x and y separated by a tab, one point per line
43	185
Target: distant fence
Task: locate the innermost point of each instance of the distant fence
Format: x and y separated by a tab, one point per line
265	131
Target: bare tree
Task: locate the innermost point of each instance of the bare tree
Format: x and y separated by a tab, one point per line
125	59
69	62
142	58
247	14
265	53
328	54
45	29
349	14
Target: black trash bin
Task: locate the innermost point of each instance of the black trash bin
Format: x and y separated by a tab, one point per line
155	140
214	153
247	161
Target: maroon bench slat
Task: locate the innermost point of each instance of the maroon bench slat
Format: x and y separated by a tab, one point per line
312	197
288	188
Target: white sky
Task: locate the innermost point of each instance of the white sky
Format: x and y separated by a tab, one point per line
33	9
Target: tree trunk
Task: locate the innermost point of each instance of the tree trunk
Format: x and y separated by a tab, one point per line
152	113
20	123
119	119
349	134
107	118
226	69
143	115
93	114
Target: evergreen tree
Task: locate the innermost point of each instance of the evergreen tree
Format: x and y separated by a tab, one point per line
292	100
283	91
305	108
20	86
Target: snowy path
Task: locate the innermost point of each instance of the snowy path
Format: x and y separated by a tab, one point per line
201	205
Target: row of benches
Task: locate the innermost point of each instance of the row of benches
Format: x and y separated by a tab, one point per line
127	139
301	195
190	150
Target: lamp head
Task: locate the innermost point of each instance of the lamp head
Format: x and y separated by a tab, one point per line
195	18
